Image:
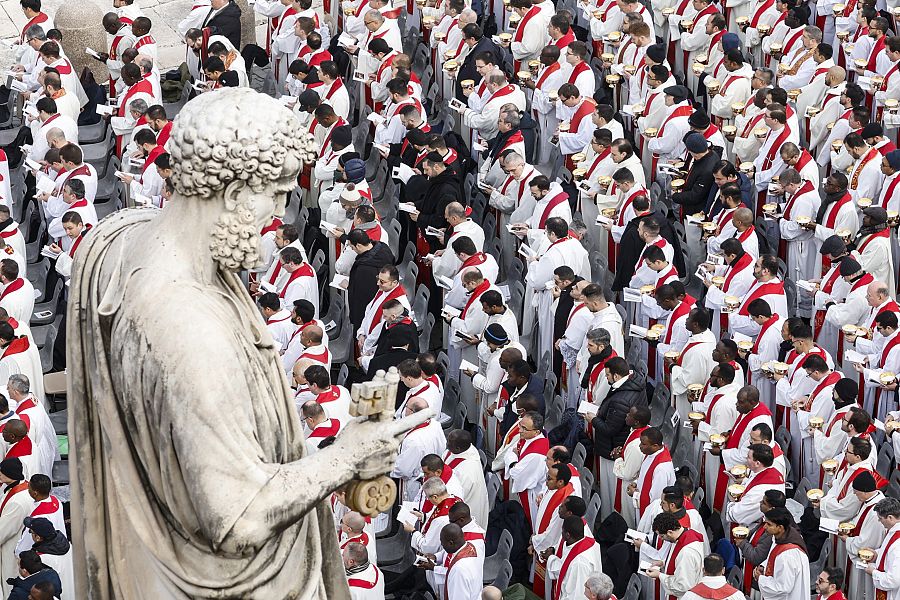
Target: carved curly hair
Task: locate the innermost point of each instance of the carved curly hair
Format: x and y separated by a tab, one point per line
235	135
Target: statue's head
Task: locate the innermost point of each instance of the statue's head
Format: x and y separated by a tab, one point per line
242	150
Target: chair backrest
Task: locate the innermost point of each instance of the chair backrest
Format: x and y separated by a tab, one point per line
342	375
885	458
504	545
504	574
783	439
493	486
587	480
592	509
443	365
579	455
459	415
635	585
425	336
516	299
393	231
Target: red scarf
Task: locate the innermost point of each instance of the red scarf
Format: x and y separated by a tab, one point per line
582	545
644	499
777	550
395	293
476	293
555	201
681	111
758	291
304	270
13	286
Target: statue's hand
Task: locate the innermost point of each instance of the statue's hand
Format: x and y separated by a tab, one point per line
371	446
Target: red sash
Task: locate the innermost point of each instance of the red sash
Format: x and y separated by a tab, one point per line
682	309
647	483
884	233
441	510
46	507
681	111
760	11
777	550
36	20
395	293
446	474
578	70
467	551
582	545
326	429
831	379
13	286
304	270
553	203
869	156
476	293
363	583
775	147
765	289
555	500
768	476
688	536
876	50
879	593
19	487
21	448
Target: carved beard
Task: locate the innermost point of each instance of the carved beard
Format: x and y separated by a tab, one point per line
235	238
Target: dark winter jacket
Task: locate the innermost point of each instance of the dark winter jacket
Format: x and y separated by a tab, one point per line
364	280
610	430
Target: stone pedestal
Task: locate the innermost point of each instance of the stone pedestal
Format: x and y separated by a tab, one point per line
248	24
81	24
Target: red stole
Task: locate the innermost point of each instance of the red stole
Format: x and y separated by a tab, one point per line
681	111
830	379
688	536
21	448
768	476
19	487
13	286
326	429
634	436
681	310
441	510
304	270
363	583
392	295
565	40
555	500
884	233
578	70
868	157
551	204
36	20
876	50
776	146
582	545
644	499
760	11
769	288
777	550
446	474
804	189
476	293
467	551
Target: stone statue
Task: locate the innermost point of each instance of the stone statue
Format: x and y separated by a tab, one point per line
190	479
80	24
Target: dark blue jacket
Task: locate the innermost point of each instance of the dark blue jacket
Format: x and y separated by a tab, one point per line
22	587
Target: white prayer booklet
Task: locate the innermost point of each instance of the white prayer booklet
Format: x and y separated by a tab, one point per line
628	110
137	163
631	295
478	147
382	148
46	251
854	357
402	172
715	259
601	220
376	118
408	207
288	100
121	174
434	231
865	83
446	283
199	87
587	408
828	525
406	517
45	185
93	53
428	258
31	110
878	424
465	365
360	76
340	281
634	534
329	227
345	39
450	311
32	164
637	331
143	200
18	86
807	285
457	105
267	287
105	109
504	291
701	272
527	251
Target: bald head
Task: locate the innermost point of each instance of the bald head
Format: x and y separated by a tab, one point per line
354	521
744	216
417	404
300	368
491	593
312	334
836	75
452	538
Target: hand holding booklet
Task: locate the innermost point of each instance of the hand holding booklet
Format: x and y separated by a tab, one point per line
465	365
637	331
408	207
403	172
451	311
93	53
854	357
340	282
587	408
376	118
